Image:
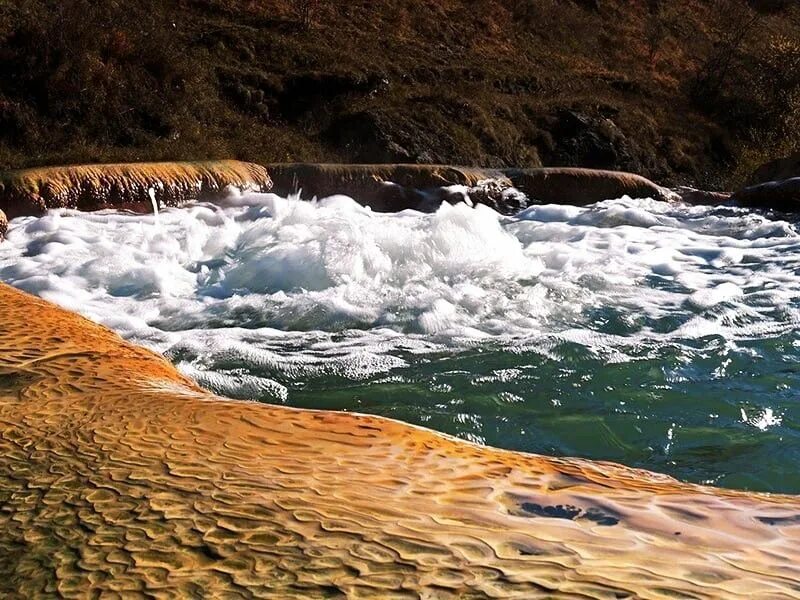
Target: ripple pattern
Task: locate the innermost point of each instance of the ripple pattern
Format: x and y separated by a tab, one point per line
121	477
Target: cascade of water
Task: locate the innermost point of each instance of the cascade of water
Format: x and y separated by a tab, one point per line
672	329
152	193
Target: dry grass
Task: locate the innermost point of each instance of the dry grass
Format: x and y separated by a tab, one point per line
479	82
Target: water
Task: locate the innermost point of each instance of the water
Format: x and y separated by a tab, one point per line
659	336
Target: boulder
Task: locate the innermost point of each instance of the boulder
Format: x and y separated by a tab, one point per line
583	186
125	186
777	195
384	188
776	170
593	139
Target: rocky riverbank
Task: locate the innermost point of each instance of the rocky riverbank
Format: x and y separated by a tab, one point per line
121	475
384	188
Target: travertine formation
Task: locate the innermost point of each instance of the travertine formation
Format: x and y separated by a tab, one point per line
119	476
396	187
128	186
327	179
382	187
584	186
385	188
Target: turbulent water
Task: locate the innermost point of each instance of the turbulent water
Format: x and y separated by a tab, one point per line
650	334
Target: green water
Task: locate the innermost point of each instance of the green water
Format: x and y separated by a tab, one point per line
677	411
654	335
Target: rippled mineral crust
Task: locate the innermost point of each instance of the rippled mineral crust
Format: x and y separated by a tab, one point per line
93	187
121	477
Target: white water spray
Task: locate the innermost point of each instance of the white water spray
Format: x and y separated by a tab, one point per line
152	193
459	276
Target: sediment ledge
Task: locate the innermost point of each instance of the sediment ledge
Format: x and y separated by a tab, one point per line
121	475
385	188
126	186
583	186
396	187
328	179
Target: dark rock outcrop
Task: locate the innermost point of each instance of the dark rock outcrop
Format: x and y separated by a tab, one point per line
776	170
774	185
777	195
593	139
126	186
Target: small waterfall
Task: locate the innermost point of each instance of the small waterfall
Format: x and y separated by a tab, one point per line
152	193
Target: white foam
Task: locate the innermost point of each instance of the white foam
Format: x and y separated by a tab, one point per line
352	289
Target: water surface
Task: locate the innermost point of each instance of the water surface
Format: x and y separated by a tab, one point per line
655	335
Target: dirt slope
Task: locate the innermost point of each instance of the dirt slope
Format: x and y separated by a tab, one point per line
680	92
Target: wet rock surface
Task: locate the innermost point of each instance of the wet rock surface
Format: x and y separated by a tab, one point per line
383	187
693	196
583	186
392	187
131	186
777	195
122	477
774	185
397	187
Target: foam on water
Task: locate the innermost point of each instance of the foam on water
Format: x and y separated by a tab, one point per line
459	273
263	296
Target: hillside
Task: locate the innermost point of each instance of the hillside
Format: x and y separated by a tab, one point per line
691	92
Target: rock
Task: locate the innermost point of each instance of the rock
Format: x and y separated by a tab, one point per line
776	170
774	185
368	184
125	186
694	196
368	137
3	225
384	188
590	141
433	128
584	186
119	473
777	195
770	6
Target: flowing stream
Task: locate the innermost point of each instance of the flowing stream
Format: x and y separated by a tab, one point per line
656	335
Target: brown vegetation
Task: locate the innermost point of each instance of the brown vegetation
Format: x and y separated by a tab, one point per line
680	92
